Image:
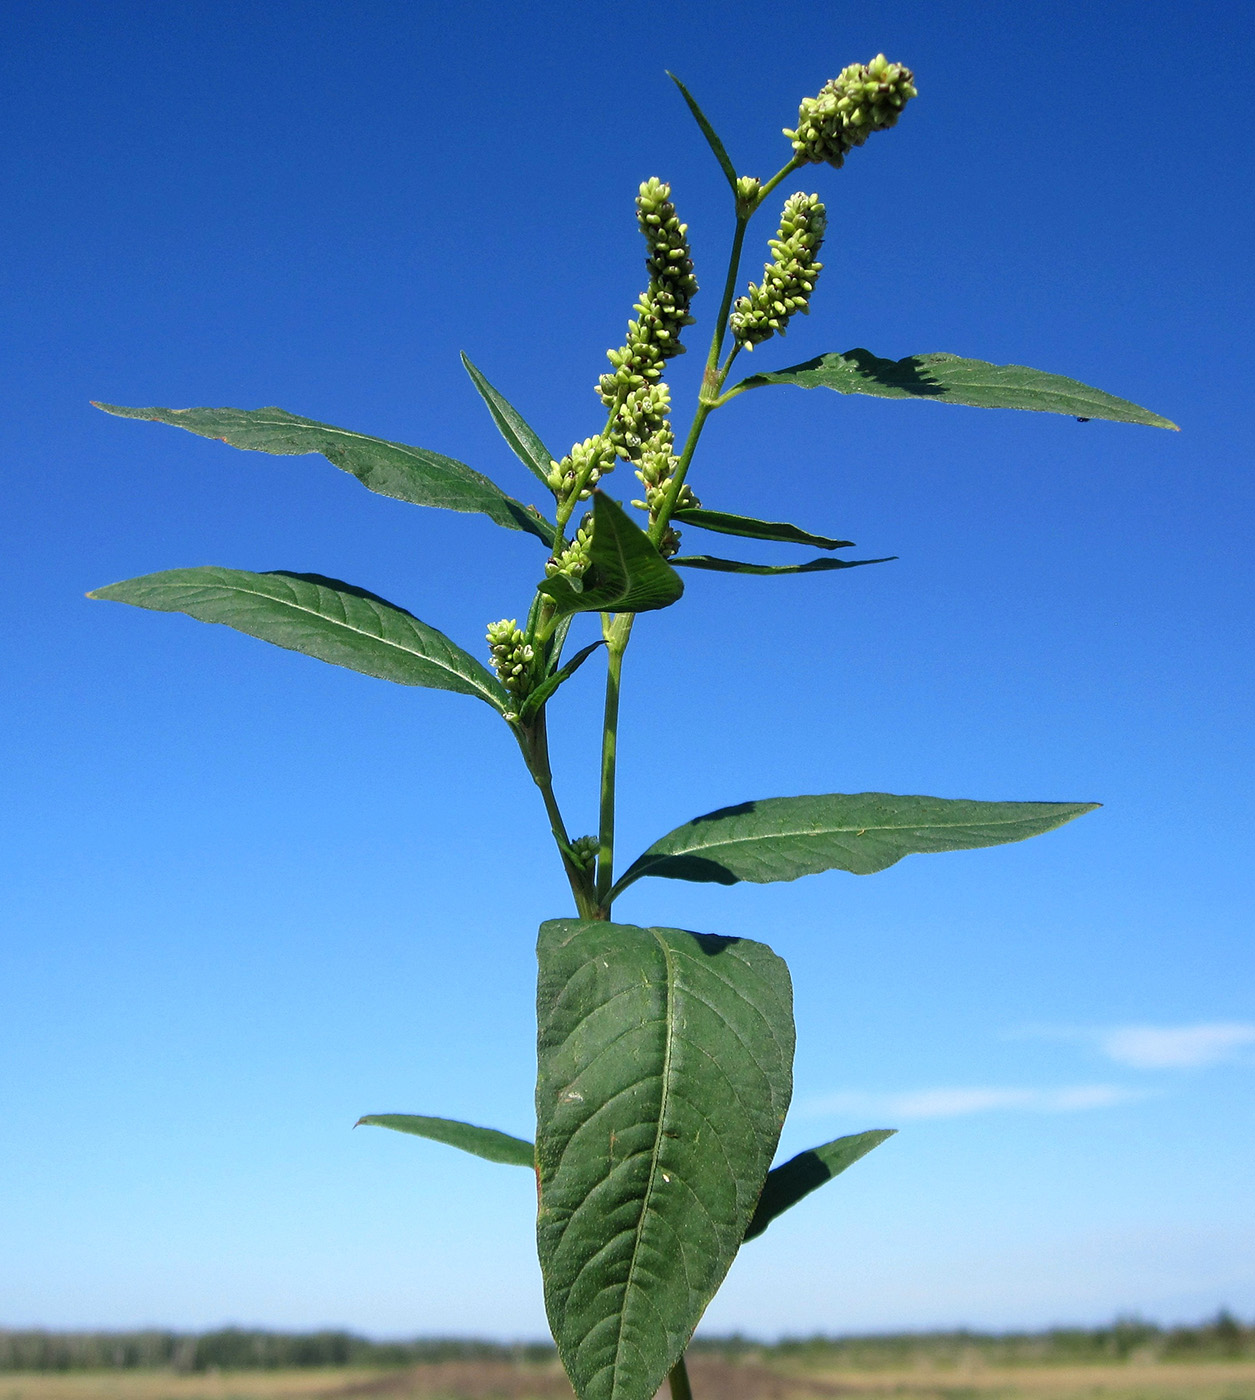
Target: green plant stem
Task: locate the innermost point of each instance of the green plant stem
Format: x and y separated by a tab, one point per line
617	632
678	1380
534	741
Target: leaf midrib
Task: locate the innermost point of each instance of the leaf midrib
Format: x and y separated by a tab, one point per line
357	631
663	1104
857	829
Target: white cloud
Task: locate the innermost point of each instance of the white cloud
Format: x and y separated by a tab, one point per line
1176	1047
959	1102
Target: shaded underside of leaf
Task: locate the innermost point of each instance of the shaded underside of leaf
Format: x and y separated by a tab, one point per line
523	440
488	1143
320	617
724	523
738	566
393	469
664	1076
952	379
783	838
788	1183
626	572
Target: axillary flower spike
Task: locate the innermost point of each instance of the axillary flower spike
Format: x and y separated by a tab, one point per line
789	278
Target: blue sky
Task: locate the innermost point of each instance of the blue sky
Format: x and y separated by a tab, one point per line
249	897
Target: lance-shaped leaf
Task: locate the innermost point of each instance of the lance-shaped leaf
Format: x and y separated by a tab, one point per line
546	688
524	442
708	131
952	379
626	573
390	468
664	1076
321	617
722	523
738	566
782	838
799	1176
480	1142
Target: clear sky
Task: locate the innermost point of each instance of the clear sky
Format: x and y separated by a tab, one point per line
248	897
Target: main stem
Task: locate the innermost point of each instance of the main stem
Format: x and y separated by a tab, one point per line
678	1378
618	631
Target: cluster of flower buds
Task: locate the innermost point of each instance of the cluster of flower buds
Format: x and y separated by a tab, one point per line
512	656
663	310
573	561
586	463
863	98
789	278
584	851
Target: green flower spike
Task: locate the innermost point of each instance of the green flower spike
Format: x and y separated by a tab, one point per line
788	279
663	310
512	656
863	98
594	456
573	561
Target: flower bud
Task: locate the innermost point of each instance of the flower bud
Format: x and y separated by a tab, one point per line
863	98
512	656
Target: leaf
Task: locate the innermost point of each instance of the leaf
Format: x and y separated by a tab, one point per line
524	442
627	574
748	528
800	1175
951	379
547	687
664	1076
782	838
481	1142
320	617
736	566
390	468
708	131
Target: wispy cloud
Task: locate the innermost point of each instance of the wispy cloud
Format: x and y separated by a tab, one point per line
1177	1047
1161	1047
959	1102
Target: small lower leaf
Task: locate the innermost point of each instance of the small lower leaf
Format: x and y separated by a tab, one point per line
788	1183
480	1142
664	1076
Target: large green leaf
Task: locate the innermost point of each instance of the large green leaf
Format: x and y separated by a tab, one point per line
626	573
390	468
782	838
738	566
664	1076
524	442
481	1142
799	1176
722	523
708	131
952	379
321	617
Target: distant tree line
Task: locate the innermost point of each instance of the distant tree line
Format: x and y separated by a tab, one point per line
1224	1337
